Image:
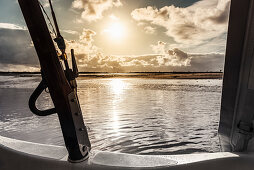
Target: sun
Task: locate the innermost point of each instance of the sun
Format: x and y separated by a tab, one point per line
115	30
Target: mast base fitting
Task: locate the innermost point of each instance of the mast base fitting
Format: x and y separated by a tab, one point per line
80	160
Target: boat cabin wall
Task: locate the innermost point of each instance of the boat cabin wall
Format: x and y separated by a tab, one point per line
237	103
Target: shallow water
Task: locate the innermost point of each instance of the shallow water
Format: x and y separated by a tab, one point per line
141	116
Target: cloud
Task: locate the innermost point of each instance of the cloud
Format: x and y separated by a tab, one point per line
70	32
149	30
91	59
113	17
11	26
173	57
16	47
18	68
196	24
151	62
16	50
17	54
94	9
84	45
207	62
160	47
45	3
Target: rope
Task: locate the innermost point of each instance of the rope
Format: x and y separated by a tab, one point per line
50	23
54	19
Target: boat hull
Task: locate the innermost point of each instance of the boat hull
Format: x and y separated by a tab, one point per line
16	154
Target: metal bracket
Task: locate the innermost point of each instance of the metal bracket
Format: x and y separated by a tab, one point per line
32	100
80	128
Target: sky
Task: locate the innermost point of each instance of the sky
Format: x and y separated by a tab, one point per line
124	35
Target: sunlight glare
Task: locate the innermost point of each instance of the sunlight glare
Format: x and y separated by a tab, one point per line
117	85
115	30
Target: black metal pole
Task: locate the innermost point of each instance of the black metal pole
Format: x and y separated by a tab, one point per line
63	96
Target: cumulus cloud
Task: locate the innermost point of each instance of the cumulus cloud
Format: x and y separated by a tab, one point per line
94	9
196	24
160	47
85	43
91	59
173	57
18	54
151	63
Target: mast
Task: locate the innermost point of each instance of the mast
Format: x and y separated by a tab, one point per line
62	88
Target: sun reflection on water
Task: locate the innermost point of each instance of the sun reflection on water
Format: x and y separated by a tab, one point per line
117	85
115	123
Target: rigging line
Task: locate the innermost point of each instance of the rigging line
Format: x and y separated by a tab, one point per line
59	39
54	19
50	23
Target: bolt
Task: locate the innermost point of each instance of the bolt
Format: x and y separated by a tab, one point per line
84	148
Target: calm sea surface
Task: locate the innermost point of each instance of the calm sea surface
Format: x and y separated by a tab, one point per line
129	115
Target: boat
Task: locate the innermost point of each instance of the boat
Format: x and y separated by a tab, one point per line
236	117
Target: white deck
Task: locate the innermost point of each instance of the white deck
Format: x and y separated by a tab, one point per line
16	154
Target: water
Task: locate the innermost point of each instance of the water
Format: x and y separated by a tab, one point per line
128	115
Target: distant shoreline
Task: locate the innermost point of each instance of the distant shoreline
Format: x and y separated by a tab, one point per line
157	75
154	75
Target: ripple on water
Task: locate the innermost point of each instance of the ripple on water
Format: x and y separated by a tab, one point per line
141	116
